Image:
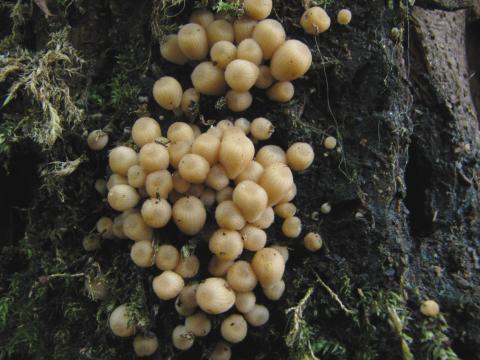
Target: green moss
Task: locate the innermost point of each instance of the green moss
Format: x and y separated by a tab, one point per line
95	98
19	15
233	9
221	103
123	91
54	174
5	304
162	20
304	339
53	79
8	136
371	320
389	307
434	340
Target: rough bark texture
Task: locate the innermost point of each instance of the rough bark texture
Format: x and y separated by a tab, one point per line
398	88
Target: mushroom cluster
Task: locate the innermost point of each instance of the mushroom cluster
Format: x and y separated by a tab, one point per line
315	20
178	178
232	56
225	171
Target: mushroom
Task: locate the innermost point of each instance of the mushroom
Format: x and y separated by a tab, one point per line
167	92
97	140
315	20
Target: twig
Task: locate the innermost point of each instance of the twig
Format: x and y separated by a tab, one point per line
296	334
297	317
334	296
65	275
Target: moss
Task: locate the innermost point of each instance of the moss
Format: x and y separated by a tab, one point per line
123	91
20	13
53	175
8	135
162	20
53	79
372	320
233	8
221	103
434	340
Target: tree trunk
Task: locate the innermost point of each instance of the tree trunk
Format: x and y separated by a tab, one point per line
398	88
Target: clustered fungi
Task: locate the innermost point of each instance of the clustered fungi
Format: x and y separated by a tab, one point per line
232	55
315	20
178	178
236	55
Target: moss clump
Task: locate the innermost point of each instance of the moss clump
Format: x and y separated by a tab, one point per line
304	340
54	174
434	340
53	78
162	20
233	8
20	12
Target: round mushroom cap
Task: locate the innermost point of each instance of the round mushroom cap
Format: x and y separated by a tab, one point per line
123	197
270	35
281	91
269	265
291	61
167	92
430	308
208	79
238	101
258	9
315	20
145	130
170	50
189	215
121	158
241	75
223	53
215	296
202	17
344	17
182	338
220	30
145	345
258	316
120	323
221	351
168	285
243	28
97	140
234	328
193	41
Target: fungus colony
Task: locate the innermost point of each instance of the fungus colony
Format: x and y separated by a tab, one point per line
178	178
232	56
181	176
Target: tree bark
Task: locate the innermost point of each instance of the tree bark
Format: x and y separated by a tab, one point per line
398	88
